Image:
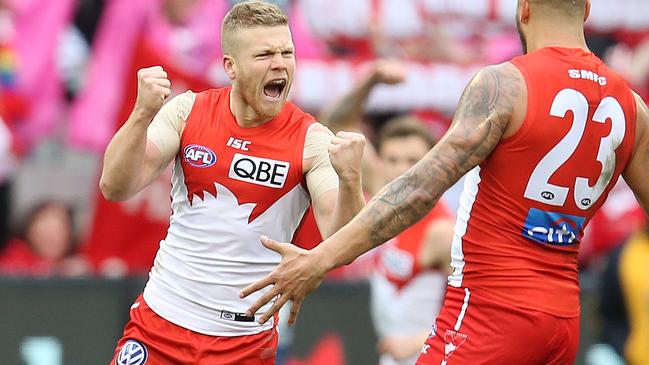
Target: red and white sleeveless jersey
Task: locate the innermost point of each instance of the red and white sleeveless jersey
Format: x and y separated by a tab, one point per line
524	209
230	185
405	297
398	259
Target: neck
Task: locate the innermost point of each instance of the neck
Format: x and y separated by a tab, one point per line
245	115
558	35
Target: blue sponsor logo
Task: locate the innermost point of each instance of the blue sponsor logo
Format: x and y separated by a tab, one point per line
553	228
199	156
132	353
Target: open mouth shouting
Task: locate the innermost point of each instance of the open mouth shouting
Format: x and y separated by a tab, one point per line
273	89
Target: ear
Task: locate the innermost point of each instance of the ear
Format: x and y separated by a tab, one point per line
229	67
587	13
525	12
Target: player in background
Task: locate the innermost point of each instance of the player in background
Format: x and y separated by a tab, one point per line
246	162
543	138
409	277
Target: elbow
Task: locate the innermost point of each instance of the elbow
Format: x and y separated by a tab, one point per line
112	192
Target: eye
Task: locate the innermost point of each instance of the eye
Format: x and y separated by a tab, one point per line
261	56
288	53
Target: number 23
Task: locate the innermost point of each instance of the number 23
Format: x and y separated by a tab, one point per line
540	189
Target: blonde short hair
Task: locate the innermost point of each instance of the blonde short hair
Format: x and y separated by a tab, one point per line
249	14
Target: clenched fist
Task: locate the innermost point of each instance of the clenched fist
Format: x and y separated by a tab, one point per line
152	89
346	153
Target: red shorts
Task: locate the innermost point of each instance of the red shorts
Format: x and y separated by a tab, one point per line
150	339
473	329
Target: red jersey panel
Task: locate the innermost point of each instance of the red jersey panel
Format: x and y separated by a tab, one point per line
524	209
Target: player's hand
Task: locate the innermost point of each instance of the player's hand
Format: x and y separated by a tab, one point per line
152	89
346	154
400	347
295	277
389	72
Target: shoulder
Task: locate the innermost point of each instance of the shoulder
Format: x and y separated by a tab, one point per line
494	89
293	112
317	127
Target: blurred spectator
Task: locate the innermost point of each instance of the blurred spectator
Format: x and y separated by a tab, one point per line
12	109
422	30
409	281
633	64
181	33
408	276
32	29
45	245
619	217
624	302
6	165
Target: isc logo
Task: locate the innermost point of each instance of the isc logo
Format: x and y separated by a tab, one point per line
238	144
199	156
260	171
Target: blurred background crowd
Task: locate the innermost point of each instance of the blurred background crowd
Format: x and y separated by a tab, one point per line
67	82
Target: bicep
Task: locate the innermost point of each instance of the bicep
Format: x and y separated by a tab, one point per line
482	117
163	136
636	173
154	163
321	178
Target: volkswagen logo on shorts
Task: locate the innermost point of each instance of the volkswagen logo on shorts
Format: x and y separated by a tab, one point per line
132	353
199	156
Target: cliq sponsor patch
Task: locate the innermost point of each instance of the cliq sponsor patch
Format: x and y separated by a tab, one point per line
553	228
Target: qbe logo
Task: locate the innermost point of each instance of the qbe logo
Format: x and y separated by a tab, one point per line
553	228
260	171
199	156
132	353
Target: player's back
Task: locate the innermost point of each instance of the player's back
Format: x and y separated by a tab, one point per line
524	209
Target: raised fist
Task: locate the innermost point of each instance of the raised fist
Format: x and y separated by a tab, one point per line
390	72
346	154
152	89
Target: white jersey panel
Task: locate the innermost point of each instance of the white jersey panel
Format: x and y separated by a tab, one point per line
406	311
471	181
212	252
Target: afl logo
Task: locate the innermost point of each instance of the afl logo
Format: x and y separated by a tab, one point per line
132	353
199	156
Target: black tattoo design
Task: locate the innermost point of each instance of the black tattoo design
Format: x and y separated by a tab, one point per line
482	116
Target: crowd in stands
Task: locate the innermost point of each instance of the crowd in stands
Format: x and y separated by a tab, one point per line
67	77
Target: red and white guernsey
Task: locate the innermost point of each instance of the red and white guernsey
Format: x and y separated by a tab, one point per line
230	185
524	209
406	296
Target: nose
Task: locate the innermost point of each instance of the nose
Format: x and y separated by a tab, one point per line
278	62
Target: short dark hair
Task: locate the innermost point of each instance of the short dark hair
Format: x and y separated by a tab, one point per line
405	126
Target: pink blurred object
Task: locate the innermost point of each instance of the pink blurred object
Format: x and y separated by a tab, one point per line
193	48
39	24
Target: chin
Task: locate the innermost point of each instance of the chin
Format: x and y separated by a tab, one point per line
273	109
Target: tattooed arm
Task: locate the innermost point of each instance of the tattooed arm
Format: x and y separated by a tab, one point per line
482	118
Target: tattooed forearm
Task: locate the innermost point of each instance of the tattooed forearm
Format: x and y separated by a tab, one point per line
480	121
